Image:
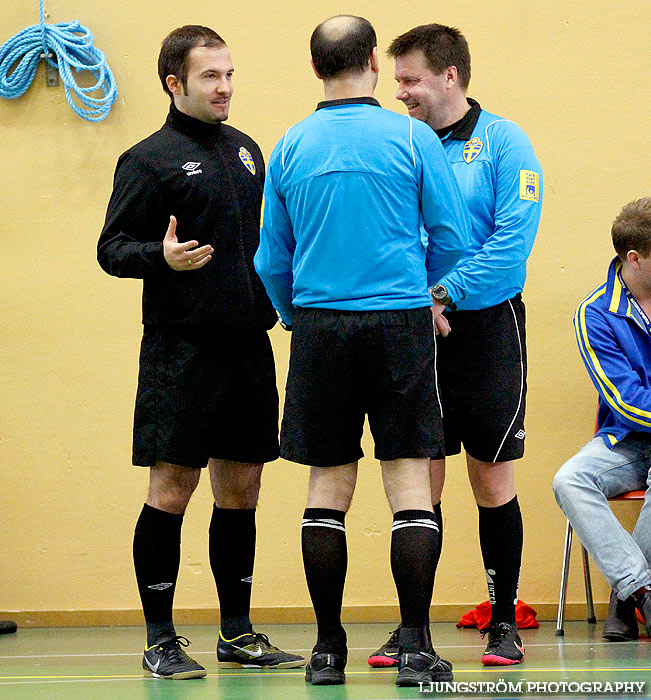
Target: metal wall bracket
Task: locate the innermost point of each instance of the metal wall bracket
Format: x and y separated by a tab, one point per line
51	73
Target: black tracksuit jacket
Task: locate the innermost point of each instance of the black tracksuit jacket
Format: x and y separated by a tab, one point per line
197	172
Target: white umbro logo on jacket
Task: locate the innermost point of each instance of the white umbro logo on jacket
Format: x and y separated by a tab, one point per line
191	167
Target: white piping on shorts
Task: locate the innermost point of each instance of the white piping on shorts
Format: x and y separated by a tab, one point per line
436	371
517	410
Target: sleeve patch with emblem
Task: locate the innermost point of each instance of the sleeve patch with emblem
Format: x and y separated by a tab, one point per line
529	185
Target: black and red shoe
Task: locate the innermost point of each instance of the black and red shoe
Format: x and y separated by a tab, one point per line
505	647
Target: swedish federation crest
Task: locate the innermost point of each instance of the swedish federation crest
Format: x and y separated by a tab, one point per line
472	149
247	159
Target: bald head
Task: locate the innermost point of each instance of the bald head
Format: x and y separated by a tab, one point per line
339	27
342	44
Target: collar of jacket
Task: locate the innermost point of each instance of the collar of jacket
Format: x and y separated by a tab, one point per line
349	101
462	130
191	126
615	297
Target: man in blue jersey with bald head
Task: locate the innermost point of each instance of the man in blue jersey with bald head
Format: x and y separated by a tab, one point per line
361	207
482	363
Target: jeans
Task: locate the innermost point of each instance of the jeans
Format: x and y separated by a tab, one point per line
582	487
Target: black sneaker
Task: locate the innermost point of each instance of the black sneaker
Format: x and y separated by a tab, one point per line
416	667
387	654
8	627
621	623
643	604
254	651
326	668
505	647
169	660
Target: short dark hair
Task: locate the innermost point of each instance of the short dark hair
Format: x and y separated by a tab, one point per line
173	56
443	46
632	228
344	48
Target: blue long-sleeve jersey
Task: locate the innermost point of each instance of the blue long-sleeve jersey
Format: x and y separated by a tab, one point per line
348	192
615	346
500	180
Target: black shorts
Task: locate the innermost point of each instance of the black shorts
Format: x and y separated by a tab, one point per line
205	394
345	364
482	368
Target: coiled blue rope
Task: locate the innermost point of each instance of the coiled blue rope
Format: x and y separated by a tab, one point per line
72	44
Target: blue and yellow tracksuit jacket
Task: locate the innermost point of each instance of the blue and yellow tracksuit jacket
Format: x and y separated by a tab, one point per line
500	180
360	205
615	345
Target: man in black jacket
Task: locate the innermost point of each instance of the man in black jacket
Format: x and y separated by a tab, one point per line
184	217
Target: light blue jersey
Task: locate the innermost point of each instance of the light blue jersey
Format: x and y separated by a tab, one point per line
347	194
500	180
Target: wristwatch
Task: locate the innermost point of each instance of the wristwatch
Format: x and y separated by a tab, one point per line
440	293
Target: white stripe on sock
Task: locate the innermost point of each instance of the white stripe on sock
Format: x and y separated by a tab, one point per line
415	523
333	524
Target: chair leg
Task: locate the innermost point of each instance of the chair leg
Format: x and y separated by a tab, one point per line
560	619
588	586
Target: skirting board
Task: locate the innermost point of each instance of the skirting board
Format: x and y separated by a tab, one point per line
276	616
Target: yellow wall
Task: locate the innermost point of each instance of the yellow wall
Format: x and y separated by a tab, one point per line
573	75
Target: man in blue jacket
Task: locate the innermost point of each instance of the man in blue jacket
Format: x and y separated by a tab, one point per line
613	330
482	363
360	207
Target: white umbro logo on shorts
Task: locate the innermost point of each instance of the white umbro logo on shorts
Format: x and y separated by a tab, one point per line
520	435
191	166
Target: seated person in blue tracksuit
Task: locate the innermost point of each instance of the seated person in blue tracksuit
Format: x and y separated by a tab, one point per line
613	330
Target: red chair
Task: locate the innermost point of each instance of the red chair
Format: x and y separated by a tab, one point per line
628	496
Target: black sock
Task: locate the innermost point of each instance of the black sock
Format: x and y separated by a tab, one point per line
414	549
156	557
411	638
500	538
438	518
231	545
325	558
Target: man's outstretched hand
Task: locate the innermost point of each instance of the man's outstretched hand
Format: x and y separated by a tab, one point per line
184	256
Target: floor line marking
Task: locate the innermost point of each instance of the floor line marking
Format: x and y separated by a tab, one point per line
529	645
11	680
78	680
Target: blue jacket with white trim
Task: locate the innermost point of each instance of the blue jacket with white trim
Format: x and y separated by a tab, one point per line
360	205
616	348
500	180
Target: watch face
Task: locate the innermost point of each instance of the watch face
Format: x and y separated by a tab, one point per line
439	292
